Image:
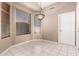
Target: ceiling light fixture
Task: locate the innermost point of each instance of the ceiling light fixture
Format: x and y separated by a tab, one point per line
40	15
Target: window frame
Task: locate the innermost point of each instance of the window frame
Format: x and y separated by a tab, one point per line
34	25
7	11
26	23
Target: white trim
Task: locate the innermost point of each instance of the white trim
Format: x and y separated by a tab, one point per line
58	29
77	26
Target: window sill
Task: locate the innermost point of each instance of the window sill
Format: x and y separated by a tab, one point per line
5	37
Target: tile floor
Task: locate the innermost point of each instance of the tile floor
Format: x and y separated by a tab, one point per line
41	48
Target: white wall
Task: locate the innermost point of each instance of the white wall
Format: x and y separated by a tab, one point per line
50	22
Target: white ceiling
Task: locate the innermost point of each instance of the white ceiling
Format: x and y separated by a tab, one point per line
45	4
36	5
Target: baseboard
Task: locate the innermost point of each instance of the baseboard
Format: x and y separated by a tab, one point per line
19	44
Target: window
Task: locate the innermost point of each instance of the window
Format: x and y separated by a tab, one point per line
23	22
5	20
37	25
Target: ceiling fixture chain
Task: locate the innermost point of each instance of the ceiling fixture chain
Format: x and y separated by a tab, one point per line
41	15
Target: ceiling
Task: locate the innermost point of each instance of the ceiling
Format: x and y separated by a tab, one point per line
45	4
36	5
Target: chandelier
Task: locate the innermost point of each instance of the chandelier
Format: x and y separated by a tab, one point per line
40	15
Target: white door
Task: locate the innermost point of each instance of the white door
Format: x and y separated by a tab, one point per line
66	24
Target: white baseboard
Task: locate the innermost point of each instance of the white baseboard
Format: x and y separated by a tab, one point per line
19	44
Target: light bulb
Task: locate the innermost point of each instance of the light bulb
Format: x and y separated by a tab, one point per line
41	16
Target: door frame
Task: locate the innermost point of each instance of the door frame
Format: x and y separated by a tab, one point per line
59	24
77	27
